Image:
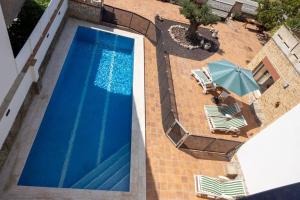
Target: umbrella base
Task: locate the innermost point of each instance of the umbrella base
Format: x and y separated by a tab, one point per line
215	100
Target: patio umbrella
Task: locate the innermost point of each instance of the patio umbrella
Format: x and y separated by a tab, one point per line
232	77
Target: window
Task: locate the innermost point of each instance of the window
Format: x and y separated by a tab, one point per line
263	77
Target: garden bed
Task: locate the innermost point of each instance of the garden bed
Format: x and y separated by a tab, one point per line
23	25
172	47
178	34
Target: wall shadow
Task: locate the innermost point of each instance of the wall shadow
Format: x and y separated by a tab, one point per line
175	49
197	146
131	21
291	192
149	185
248	113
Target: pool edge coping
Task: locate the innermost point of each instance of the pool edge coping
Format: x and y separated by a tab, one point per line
18	156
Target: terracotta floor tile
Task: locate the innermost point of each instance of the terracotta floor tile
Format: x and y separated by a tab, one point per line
169	170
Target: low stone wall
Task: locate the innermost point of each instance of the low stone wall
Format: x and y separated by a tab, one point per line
85	10
287	97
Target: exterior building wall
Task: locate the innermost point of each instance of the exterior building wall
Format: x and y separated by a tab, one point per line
287	97
8	69
85	10
11	9
18	85
269	160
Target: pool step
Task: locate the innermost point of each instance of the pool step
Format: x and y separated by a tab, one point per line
124	152
115	178
106	174
122	185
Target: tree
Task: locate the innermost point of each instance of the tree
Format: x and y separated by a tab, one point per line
294	22
273	13
197	14
270	13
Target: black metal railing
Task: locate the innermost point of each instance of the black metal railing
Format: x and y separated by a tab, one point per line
196	145
179	136
130	20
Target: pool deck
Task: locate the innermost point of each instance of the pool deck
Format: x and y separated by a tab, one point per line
11	171
169	170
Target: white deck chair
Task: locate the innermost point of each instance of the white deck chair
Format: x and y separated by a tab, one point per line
226	111
233	124
219	188
204	80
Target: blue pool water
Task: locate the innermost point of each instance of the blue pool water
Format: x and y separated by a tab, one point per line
84	139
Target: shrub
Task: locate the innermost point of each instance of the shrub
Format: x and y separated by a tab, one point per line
273	13
23	25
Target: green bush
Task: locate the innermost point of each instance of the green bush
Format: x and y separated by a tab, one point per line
294	23
273	13
23	25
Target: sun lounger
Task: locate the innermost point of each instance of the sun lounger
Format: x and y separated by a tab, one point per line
226	111
204	80
228	125
219	188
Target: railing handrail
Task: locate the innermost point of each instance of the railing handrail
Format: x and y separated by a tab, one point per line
107	8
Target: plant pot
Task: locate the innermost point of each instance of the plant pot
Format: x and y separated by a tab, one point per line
215	34
207	46
202	43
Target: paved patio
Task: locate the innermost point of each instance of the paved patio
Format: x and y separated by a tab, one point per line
191	100
169	170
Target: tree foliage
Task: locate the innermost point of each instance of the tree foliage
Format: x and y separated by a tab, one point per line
21	28
294	22
197	14
273	13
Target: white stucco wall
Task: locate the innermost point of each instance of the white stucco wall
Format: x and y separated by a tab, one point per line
271	159
8	70
51	32
7	75
11	9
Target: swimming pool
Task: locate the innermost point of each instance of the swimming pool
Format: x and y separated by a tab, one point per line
84	139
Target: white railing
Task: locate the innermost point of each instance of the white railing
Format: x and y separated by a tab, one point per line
23	55
36	34
31	74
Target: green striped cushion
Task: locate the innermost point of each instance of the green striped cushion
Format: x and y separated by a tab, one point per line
210	185
233	188
221	110
213	111
215	187
231	109
218	122
200	75
236	122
